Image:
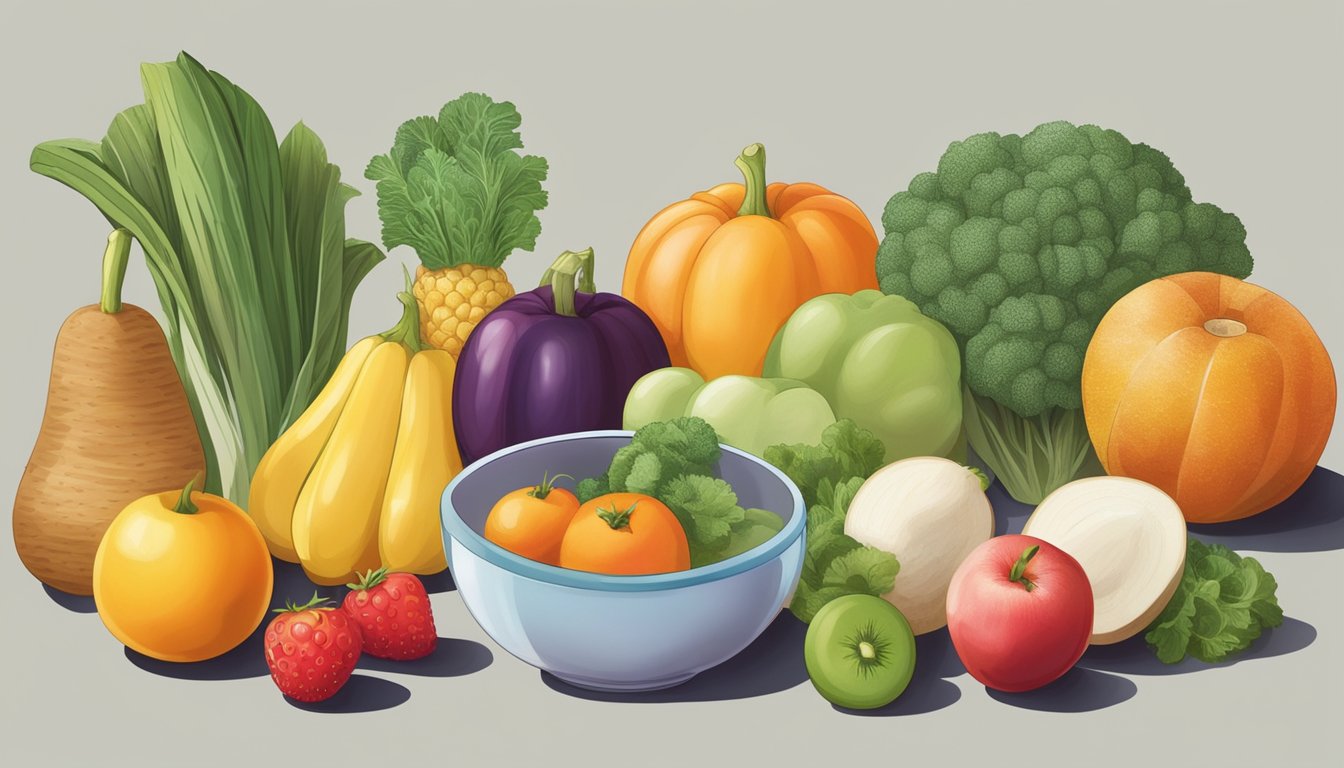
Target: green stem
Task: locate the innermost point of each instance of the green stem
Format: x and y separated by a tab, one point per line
572	271
407	330
114	269
317	601
617	519
752	164
547	485
185	506
1019	571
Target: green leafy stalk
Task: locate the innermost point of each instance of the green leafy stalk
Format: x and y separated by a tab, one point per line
245	241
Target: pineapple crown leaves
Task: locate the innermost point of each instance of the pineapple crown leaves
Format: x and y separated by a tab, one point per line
455	188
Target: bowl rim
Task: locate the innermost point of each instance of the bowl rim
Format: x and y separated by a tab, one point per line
456	528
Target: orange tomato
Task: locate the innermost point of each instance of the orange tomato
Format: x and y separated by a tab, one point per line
182	576
532	521
720	272
626	534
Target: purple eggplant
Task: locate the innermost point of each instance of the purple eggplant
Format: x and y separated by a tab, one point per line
560	358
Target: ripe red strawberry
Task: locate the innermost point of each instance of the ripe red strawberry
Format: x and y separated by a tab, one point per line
394	615
312	649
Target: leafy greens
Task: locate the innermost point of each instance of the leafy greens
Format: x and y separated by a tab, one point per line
245	240
828	475
1222	604
454	189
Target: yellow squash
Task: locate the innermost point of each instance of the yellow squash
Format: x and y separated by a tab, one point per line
354	483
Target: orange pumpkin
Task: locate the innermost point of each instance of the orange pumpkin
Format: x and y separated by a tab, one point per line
719	273
1215	390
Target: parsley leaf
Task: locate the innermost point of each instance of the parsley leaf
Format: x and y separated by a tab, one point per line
1223	603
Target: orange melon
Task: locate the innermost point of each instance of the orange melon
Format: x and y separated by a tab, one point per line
1215	390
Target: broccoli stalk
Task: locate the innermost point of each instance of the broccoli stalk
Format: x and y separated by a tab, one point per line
1019	245
1034	455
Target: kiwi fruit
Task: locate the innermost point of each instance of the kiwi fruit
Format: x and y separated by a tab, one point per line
860	652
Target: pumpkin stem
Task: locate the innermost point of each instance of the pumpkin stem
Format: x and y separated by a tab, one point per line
752	164
407	330
572	271
114	270
1019	571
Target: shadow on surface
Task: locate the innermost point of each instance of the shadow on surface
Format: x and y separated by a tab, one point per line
1079	690
439	582
72	603
1311	520
1009	513
1135	657
772	663
248	659
452	657
360	693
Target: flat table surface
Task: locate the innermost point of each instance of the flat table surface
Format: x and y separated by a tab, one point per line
471	703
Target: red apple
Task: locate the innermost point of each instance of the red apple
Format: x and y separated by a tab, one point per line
1019	611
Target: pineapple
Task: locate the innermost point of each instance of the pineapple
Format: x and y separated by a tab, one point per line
455	189
453	300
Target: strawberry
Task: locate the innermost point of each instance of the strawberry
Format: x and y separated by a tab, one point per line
394	615
312	649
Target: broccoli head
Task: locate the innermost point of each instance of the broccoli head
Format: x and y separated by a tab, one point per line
1019	245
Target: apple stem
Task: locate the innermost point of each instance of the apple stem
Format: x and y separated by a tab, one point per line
1019	572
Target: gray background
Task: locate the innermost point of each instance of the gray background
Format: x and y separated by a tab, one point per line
636	107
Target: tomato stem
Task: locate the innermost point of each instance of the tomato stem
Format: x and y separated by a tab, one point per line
752	164
547	485
617	519
572	271
185	506
1019	571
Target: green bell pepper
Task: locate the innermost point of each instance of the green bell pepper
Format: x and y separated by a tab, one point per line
879	361
748	413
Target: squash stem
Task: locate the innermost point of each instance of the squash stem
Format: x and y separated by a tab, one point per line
571	272
185	506
114	270
1019	571
752	164
407	330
